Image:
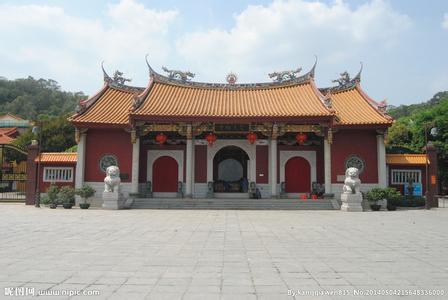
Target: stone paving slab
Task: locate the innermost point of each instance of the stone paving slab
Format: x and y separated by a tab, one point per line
233	254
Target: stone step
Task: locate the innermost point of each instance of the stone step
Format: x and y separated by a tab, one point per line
287	204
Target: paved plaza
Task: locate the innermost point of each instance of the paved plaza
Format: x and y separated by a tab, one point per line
206	254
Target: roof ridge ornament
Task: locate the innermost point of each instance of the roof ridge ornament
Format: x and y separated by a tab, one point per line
117	78
357	78
382	106
151	71
178	75
313	68
345	82
283	76
106	77
231	78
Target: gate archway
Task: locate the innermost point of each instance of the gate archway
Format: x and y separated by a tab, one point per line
297	175
230	170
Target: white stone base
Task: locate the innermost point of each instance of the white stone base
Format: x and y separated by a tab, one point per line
113	200
351	202
443	202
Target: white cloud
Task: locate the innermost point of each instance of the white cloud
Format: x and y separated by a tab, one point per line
270	37
70	48
445	21
47	41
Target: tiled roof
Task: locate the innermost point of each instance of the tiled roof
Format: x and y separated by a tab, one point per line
406	159
353	107
8	130
171	100
5	139
111	107
57	157
166	99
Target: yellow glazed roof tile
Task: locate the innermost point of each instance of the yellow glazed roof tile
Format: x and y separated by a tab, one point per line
406	159
57	157
112	107
352	108
286	101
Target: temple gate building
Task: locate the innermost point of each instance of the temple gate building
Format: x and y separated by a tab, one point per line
180	138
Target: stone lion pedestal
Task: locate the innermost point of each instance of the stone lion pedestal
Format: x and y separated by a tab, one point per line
351	202
112	196
113	200
351	196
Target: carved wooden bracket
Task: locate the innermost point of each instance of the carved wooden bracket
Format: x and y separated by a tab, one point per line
330	135
78	133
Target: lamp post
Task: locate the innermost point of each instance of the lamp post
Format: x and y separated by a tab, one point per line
433	132
37	130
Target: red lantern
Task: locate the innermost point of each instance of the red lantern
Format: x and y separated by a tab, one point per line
303	197
161	138
251	137
211	138
314	197
301	138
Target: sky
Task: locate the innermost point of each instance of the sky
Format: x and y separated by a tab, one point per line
401	43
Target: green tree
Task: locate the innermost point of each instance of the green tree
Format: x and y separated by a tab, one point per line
30	98
407	135
57	134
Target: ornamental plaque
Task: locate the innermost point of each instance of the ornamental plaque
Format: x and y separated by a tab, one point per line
355	162
107	161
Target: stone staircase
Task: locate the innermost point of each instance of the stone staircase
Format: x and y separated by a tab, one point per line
228	203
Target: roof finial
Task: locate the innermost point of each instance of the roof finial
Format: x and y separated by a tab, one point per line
313	69
357	78
151	71
106	77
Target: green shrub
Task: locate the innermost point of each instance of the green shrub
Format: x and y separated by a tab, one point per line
52	194
390	194
406	202
45	200
67	195
376	194
85	192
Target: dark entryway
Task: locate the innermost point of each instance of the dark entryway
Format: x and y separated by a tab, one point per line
230	170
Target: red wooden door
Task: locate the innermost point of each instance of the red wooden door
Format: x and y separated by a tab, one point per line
297	175
165	174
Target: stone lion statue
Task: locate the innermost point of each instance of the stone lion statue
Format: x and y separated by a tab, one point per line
351	182
112	179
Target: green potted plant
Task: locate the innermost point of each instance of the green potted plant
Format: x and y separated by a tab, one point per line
393	197
85	192
67	196
52	194
374	196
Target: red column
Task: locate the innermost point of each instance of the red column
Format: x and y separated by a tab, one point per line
31	174
432	174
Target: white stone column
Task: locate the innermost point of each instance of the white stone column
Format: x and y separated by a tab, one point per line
327	166
273	166
381	153
135	165
189	168
80	161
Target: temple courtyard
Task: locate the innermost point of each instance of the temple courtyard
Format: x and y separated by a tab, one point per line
222	254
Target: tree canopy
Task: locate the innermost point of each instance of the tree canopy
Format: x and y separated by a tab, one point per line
32	98
42	102
407	134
